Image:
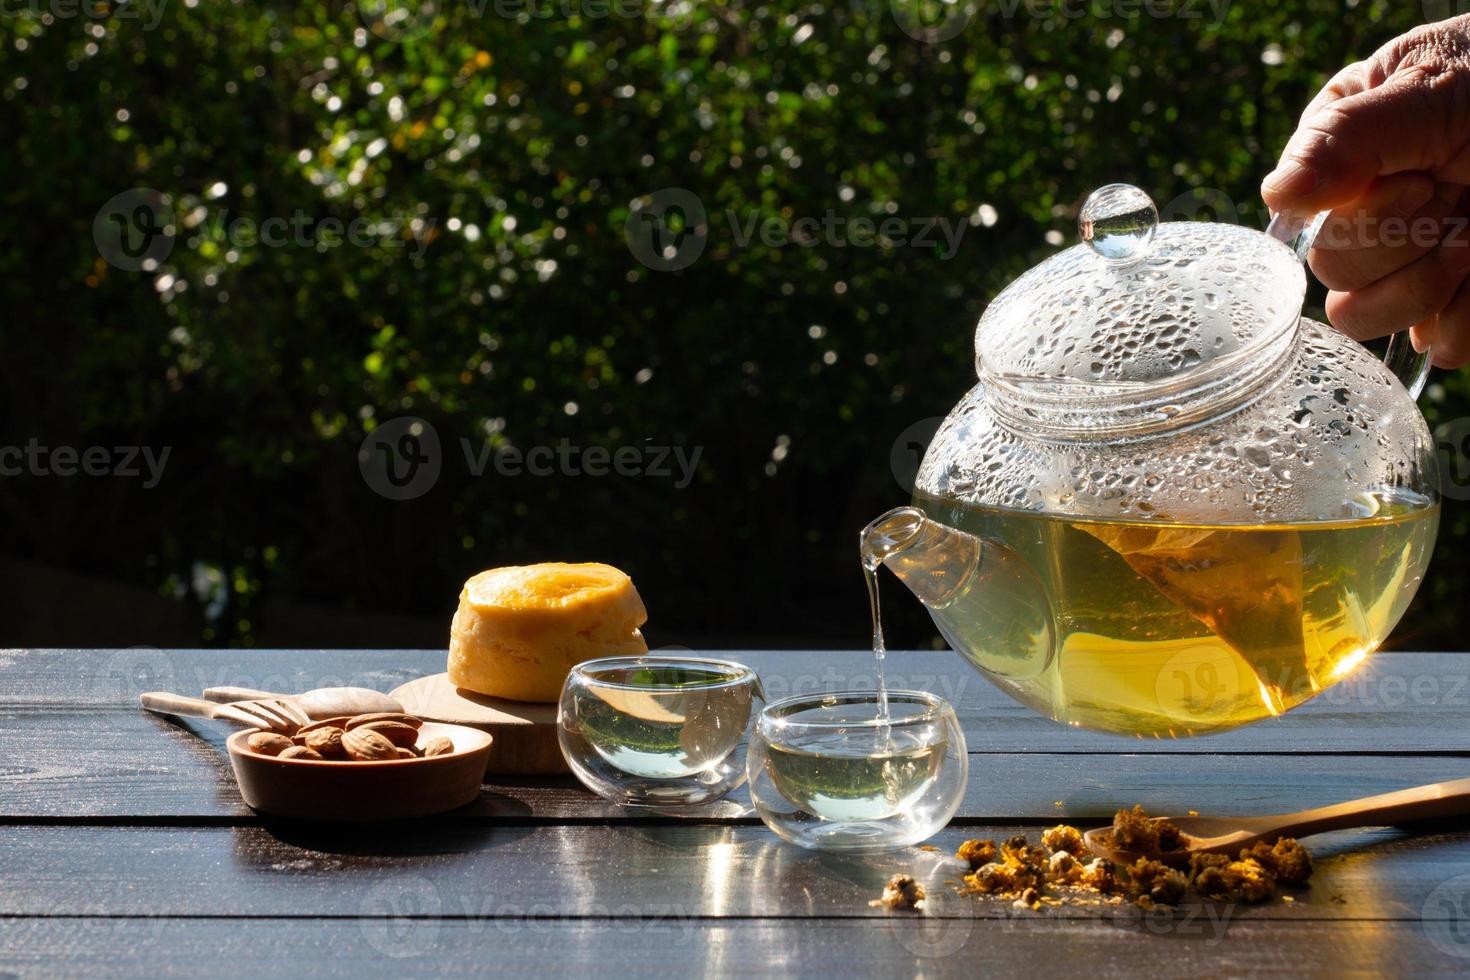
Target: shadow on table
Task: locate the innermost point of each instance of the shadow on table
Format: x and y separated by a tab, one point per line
399	838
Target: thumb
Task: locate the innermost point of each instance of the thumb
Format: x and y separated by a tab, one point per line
1342	145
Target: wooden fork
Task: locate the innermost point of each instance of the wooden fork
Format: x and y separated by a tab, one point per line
267	714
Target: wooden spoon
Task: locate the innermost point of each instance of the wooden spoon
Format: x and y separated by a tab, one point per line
324	702
1229	835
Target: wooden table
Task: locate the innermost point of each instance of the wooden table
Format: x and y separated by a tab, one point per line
125	849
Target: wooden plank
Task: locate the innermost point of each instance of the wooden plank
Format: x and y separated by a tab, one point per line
117	677
607	871
354	949
1398	702
85	763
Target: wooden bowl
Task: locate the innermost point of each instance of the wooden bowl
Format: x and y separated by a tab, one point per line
326	789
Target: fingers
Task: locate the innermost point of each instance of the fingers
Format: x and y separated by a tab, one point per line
1451	341
1395	222
1423	334
1345	142
1385	147
1407	297
1350	80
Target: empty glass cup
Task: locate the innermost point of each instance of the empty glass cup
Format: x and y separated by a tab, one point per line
826	771
658	731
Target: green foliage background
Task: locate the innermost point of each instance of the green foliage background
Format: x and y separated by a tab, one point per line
795	368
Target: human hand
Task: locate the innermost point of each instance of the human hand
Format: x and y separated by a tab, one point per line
1386	146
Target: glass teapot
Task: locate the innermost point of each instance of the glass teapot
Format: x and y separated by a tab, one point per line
1172	505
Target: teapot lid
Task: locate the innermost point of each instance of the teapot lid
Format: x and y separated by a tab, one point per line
1142	325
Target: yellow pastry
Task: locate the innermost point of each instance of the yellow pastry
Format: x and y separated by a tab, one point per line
520	629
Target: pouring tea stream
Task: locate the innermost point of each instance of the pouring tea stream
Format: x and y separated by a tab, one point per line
1171	505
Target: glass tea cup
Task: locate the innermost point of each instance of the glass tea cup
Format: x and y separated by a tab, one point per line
827	772
658	731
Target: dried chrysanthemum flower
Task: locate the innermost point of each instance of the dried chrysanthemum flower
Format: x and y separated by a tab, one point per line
1017	851
1024	876
1023	871
1100	875
991	879
1143	873
1235	881
1065	868
1016	846
1201	860
1169	889
1159	882
1030	898
1171	838
1250	879
1064	838
1287	859
977	852
1135	830
901	892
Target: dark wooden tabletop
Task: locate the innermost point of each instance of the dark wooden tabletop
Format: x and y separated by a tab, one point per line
127	850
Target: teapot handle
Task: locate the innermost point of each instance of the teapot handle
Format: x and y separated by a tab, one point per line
1411	367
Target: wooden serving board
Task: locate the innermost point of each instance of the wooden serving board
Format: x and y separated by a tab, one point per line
525	733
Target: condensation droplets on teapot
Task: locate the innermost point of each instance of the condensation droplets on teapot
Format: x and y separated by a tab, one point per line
1172	504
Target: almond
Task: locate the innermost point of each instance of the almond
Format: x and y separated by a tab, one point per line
268	743
299	752
367	746
359	720
439	745
326	742
339	722
396	732
406	753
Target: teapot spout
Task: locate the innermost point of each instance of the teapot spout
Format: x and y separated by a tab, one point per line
932	559
985	598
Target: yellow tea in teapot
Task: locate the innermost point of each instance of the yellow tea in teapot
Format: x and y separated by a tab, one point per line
1166	630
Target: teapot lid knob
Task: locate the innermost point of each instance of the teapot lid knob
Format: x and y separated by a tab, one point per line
1118	222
